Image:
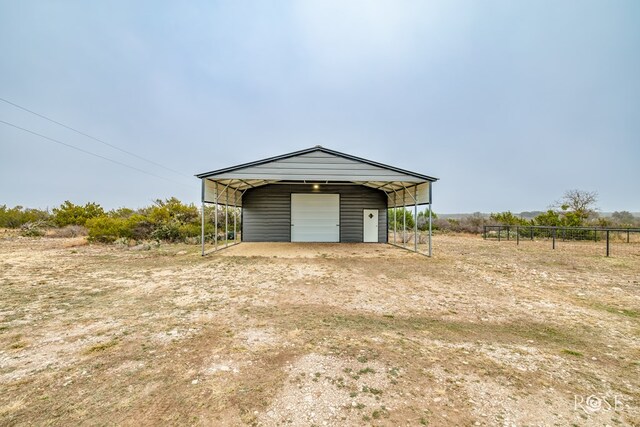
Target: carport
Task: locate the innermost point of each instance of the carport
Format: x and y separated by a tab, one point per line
316	195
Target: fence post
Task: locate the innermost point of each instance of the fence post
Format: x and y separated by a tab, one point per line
554	239
627	235
499	232
595	234
484	232
607	242
531	233
508	232
517	235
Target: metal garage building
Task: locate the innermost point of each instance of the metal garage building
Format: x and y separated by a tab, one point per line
315	195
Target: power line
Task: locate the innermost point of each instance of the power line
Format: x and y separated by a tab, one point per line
93	138
91	153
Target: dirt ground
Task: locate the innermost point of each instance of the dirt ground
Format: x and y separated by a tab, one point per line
484	333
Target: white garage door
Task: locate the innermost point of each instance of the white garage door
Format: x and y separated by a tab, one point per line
315	217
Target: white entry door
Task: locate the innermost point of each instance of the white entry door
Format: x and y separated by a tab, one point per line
315	217
370	225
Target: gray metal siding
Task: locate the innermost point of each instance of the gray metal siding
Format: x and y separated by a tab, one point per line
267	211
266	215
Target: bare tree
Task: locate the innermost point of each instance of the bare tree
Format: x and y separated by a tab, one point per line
580	203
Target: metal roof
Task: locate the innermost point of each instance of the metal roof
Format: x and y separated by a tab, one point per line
311	150
315	165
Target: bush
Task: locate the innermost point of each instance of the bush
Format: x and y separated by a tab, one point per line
507	218
70	214
32	229
169	210
467	224
139	227
193	230
399	222
121	213
167	231
105	229
17	216
167	220
423	220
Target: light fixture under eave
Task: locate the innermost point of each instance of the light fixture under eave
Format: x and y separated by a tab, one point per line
316	186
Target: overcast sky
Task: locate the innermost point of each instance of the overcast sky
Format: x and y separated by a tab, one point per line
509	103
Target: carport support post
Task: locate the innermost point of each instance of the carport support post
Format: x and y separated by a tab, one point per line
404	221
215	231
226	217
415	225
395	222
430	209
202	219
235	214
202	229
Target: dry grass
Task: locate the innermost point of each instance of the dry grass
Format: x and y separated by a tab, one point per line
484	333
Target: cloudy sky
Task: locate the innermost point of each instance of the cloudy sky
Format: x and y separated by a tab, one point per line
509	103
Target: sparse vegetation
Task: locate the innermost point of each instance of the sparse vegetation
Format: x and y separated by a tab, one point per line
18	216
96	335
165	220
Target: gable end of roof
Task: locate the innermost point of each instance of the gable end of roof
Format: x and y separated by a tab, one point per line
317	148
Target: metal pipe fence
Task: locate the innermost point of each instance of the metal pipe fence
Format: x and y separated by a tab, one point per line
608	235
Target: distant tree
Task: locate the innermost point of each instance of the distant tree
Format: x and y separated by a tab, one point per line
574	210
624	218
399	222
549	218
578	206
423	220
472	223
211	212
507	218
530	214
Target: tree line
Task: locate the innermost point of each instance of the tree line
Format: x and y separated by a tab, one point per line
173	221
576	208
164	220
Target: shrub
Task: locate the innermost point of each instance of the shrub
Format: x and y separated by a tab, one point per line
139	227
399	222
507	218
193	230
32	229
167	231
17	216
423	220
467	224
166	211
70	214
105	229
121	213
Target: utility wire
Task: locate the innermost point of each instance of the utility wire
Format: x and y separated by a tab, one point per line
94	138
92	154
